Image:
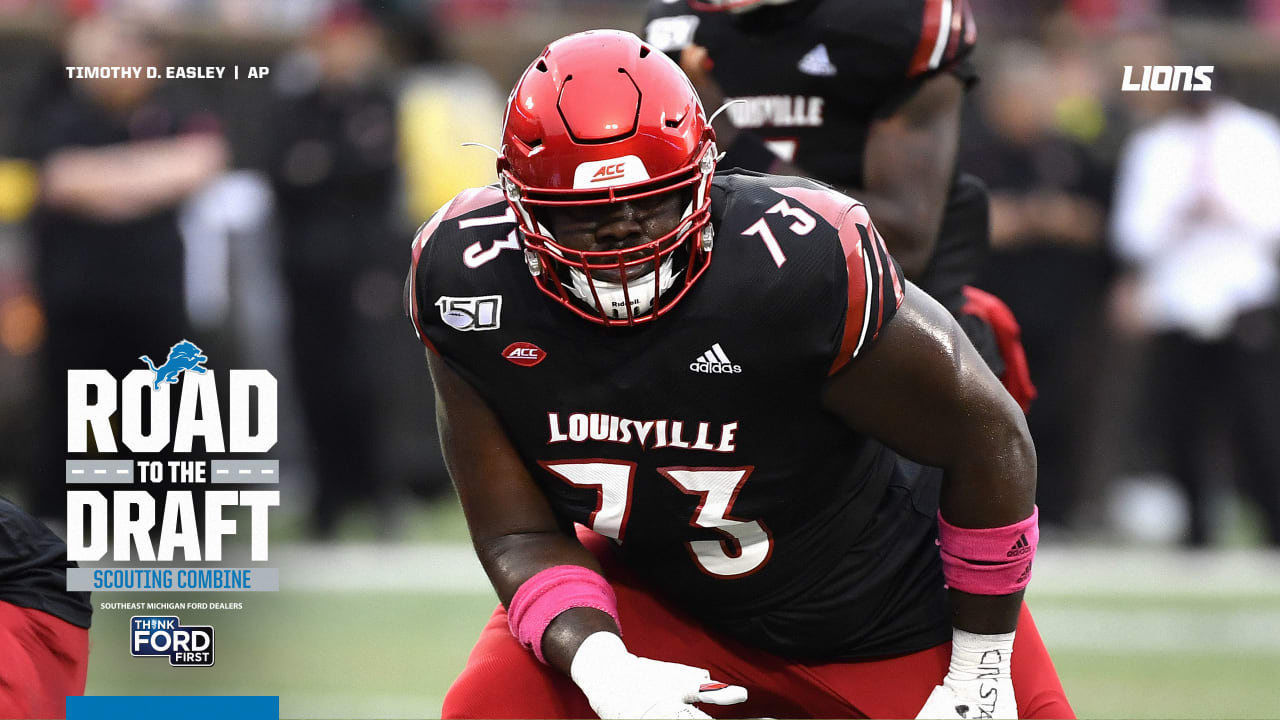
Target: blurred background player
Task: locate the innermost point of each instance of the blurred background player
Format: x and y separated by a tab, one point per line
867	97
116	157
1048	260
1197	223
44	630
170	234
334	172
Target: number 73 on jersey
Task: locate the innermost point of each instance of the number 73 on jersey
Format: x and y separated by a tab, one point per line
746	544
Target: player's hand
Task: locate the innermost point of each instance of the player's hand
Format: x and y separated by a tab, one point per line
979	683
621	685
983	698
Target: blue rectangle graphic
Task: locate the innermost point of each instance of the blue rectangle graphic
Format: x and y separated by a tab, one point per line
140	707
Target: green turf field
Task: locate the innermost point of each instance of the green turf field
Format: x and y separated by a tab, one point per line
379	631
393	654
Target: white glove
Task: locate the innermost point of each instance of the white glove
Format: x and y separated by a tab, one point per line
979	683
621	685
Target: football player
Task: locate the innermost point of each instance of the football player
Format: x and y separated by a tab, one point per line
719	379
44	629
865	96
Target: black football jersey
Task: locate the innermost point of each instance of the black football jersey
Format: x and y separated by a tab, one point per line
814	75
33	568
698	441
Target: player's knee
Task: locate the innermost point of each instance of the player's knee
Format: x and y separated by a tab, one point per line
485	689
466	698
1046	704
510	685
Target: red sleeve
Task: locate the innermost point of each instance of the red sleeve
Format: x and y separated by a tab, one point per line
420	240
875	283
947	34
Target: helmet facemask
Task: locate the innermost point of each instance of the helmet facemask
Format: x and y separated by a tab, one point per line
639	282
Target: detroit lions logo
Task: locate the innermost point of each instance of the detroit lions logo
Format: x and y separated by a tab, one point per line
182	357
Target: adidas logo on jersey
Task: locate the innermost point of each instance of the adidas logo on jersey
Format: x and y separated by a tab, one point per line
1022	547
817	62
714	361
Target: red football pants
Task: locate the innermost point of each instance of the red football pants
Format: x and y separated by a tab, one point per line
504	680
43	659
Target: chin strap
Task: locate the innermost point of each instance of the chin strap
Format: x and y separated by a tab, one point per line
639	291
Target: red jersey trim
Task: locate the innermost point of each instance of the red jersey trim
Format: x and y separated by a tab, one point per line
419	243
957	32
866	262
931	26
882	283
899	283
472	199
880	263
863	272
970	26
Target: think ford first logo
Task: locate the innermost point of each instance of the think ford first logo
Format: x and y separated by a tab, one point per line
166	636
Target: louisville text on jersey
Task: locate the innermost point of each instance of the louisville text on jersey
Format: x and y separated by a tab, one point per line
649	434
775	111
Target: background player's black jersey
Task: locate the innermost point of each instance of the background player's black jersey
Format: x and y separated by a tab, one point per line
698	440
814	76
33	568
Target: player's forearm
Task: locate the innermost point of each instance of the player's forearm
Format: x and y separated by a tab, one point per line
993	487
991	472
511	560
542	575
985	614
907	168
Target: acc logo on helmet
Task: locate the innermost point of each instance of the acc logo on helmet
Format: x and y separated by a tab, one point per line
607	173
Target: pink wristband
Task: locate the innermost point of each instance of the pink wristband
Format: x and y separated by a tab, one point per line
989	561
547	594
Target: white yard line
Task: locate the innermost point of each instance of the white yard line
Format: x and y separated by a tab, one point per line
1131	630
385	567
1141	571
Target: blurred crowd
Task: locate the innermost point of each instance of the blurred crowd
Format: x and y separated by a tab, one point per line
1135	235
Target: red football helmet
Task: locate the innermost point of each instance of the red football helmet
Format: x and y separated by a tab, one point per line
601	117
